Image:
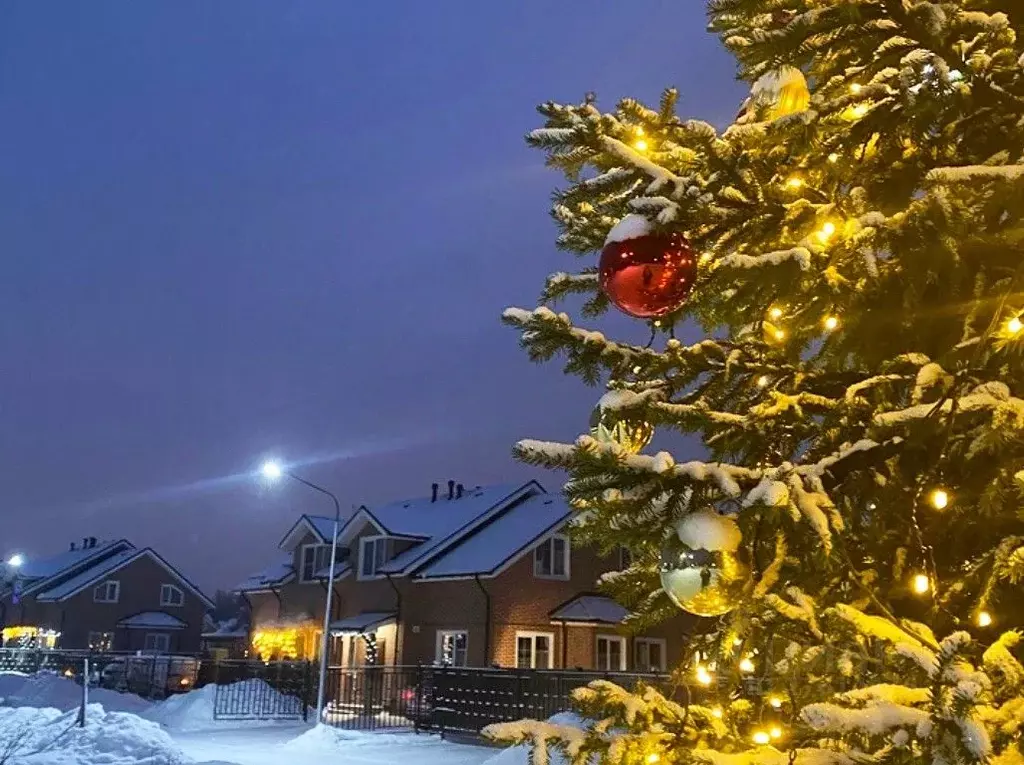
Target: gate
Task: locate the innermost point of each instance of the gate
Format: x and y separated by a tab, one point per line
246	690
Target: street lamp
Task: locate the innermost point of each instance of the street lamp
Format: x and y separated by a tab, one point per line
16	560
273	470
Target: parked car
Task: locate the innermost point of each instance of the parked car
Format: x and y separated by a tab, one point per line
149	675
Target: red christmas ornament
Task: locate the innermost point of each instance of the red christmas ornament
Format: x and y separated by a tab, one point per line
646	275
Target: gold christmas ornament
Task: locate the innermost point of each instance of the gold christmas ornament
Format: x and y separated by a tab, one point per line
704	570
631	435
783	91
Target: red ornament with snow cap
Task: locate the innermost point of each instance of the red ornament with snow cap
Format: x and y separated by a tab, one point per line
646	274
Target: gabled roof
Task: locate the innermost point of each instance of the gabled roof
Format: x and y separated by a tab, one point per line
40	573
103	569
513	532
152	620
317	525
274	575
590	609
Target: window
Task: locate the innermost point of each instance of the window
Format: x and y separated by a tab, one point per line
551	558
156	642
611	653
171	595
534	650
314	558
108	592
453	648
373	553
625	558
101	641
649	654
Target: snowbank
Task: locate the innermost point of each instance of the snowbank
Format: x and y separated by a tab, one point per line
50	737
48	689
334	745
520	755
194	711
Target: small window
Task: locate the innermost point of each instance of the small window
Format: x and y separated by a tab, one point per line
108	592
373	554
649	654
101	641
171	595
551	558
625	557
315	558
534	650
611	653
156	642
452	648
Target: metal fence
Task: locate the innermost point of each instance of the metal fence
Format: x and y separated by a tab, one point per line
248	690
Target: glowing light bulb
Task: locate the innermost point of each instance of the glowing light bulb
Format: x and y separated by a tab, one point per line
775	701
921	584
939	499
795	182
703	676
652	758
856	88
639	131
984	619
1014	325
775	732
640	145
762	737
859	111
826	231
780	334
833	157
737	641
831	322
746	665
775	313
716	712
762	381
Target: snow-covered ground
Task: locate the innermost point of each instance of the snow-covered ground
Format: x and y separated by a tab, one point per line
48	689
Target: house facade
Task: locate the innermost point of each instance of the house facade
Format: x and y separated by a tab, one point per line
484	577
102	596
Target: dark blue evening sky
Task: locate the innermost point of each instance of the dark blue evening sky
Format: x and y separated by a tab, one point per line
238	228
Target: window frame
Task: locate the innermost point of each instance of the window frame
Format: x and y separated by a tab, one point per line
103	635
165	639
316	547
648	641
106	584
609	638
533	635
372	540
566	558
439	645
172	588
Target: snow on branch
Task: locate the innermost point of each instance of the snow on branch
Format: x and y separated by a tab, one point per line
800	255
969	173
991	396
658	173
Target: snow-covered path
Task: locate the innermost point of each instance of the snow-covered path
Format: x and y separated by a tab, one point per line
301	745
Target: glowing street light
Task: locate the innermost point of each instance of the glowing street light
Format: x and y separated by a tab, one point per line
271	469
16	560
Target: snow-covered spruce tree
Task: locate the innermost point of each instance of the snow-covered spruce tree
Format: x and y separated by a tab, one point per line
860	276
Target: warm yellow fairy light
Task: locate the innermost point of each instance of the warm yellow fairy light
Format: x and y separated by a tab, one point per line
833	157
762	737
780	334
762	381
703	676
921	584
939	499
831	322
717	712
984	618
775	732
856	88
640	145
69	673
775	313
795	182
746	665
826	231
775	701
652	758
859	111
737	641
639	131
1014	325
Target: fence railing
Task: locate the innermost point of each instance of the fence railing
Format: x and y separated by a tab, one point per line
248	690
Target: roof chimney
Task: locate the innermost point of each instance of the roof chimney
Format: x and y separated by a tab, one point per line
451	490
92	542
85	543
72	546
433	492
458	491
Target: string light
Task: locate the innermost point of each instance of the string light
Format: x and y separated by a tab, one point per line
833	157
939	499
775	313
716	712
762	737
856	88
984	619
639	131
703	676
1014	325
746	665
775	701
795	182
831	322
921	584
775	732
762	381
826	231
780	334
652	758
737	641
640	144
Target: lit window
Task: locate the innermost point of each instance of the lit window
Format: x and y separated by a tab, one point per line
649	655
534	650
315	558
373	554
453	648
611	653
108	592
551	558
171	595
156	642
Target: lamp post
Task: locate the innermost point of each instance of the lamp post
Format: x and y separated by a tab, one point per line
273	471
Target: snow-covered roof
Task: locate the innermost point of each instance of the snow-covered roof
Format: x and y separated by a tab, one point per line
39	570
444	522
590	608
91	574
364	622
512	532
275	574
152	620
342	568
229	628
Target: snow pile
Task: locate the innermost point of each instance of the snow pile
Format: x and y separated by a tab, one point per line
31	736
194	711
633	226
48	689
520	755
327	744
707	530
